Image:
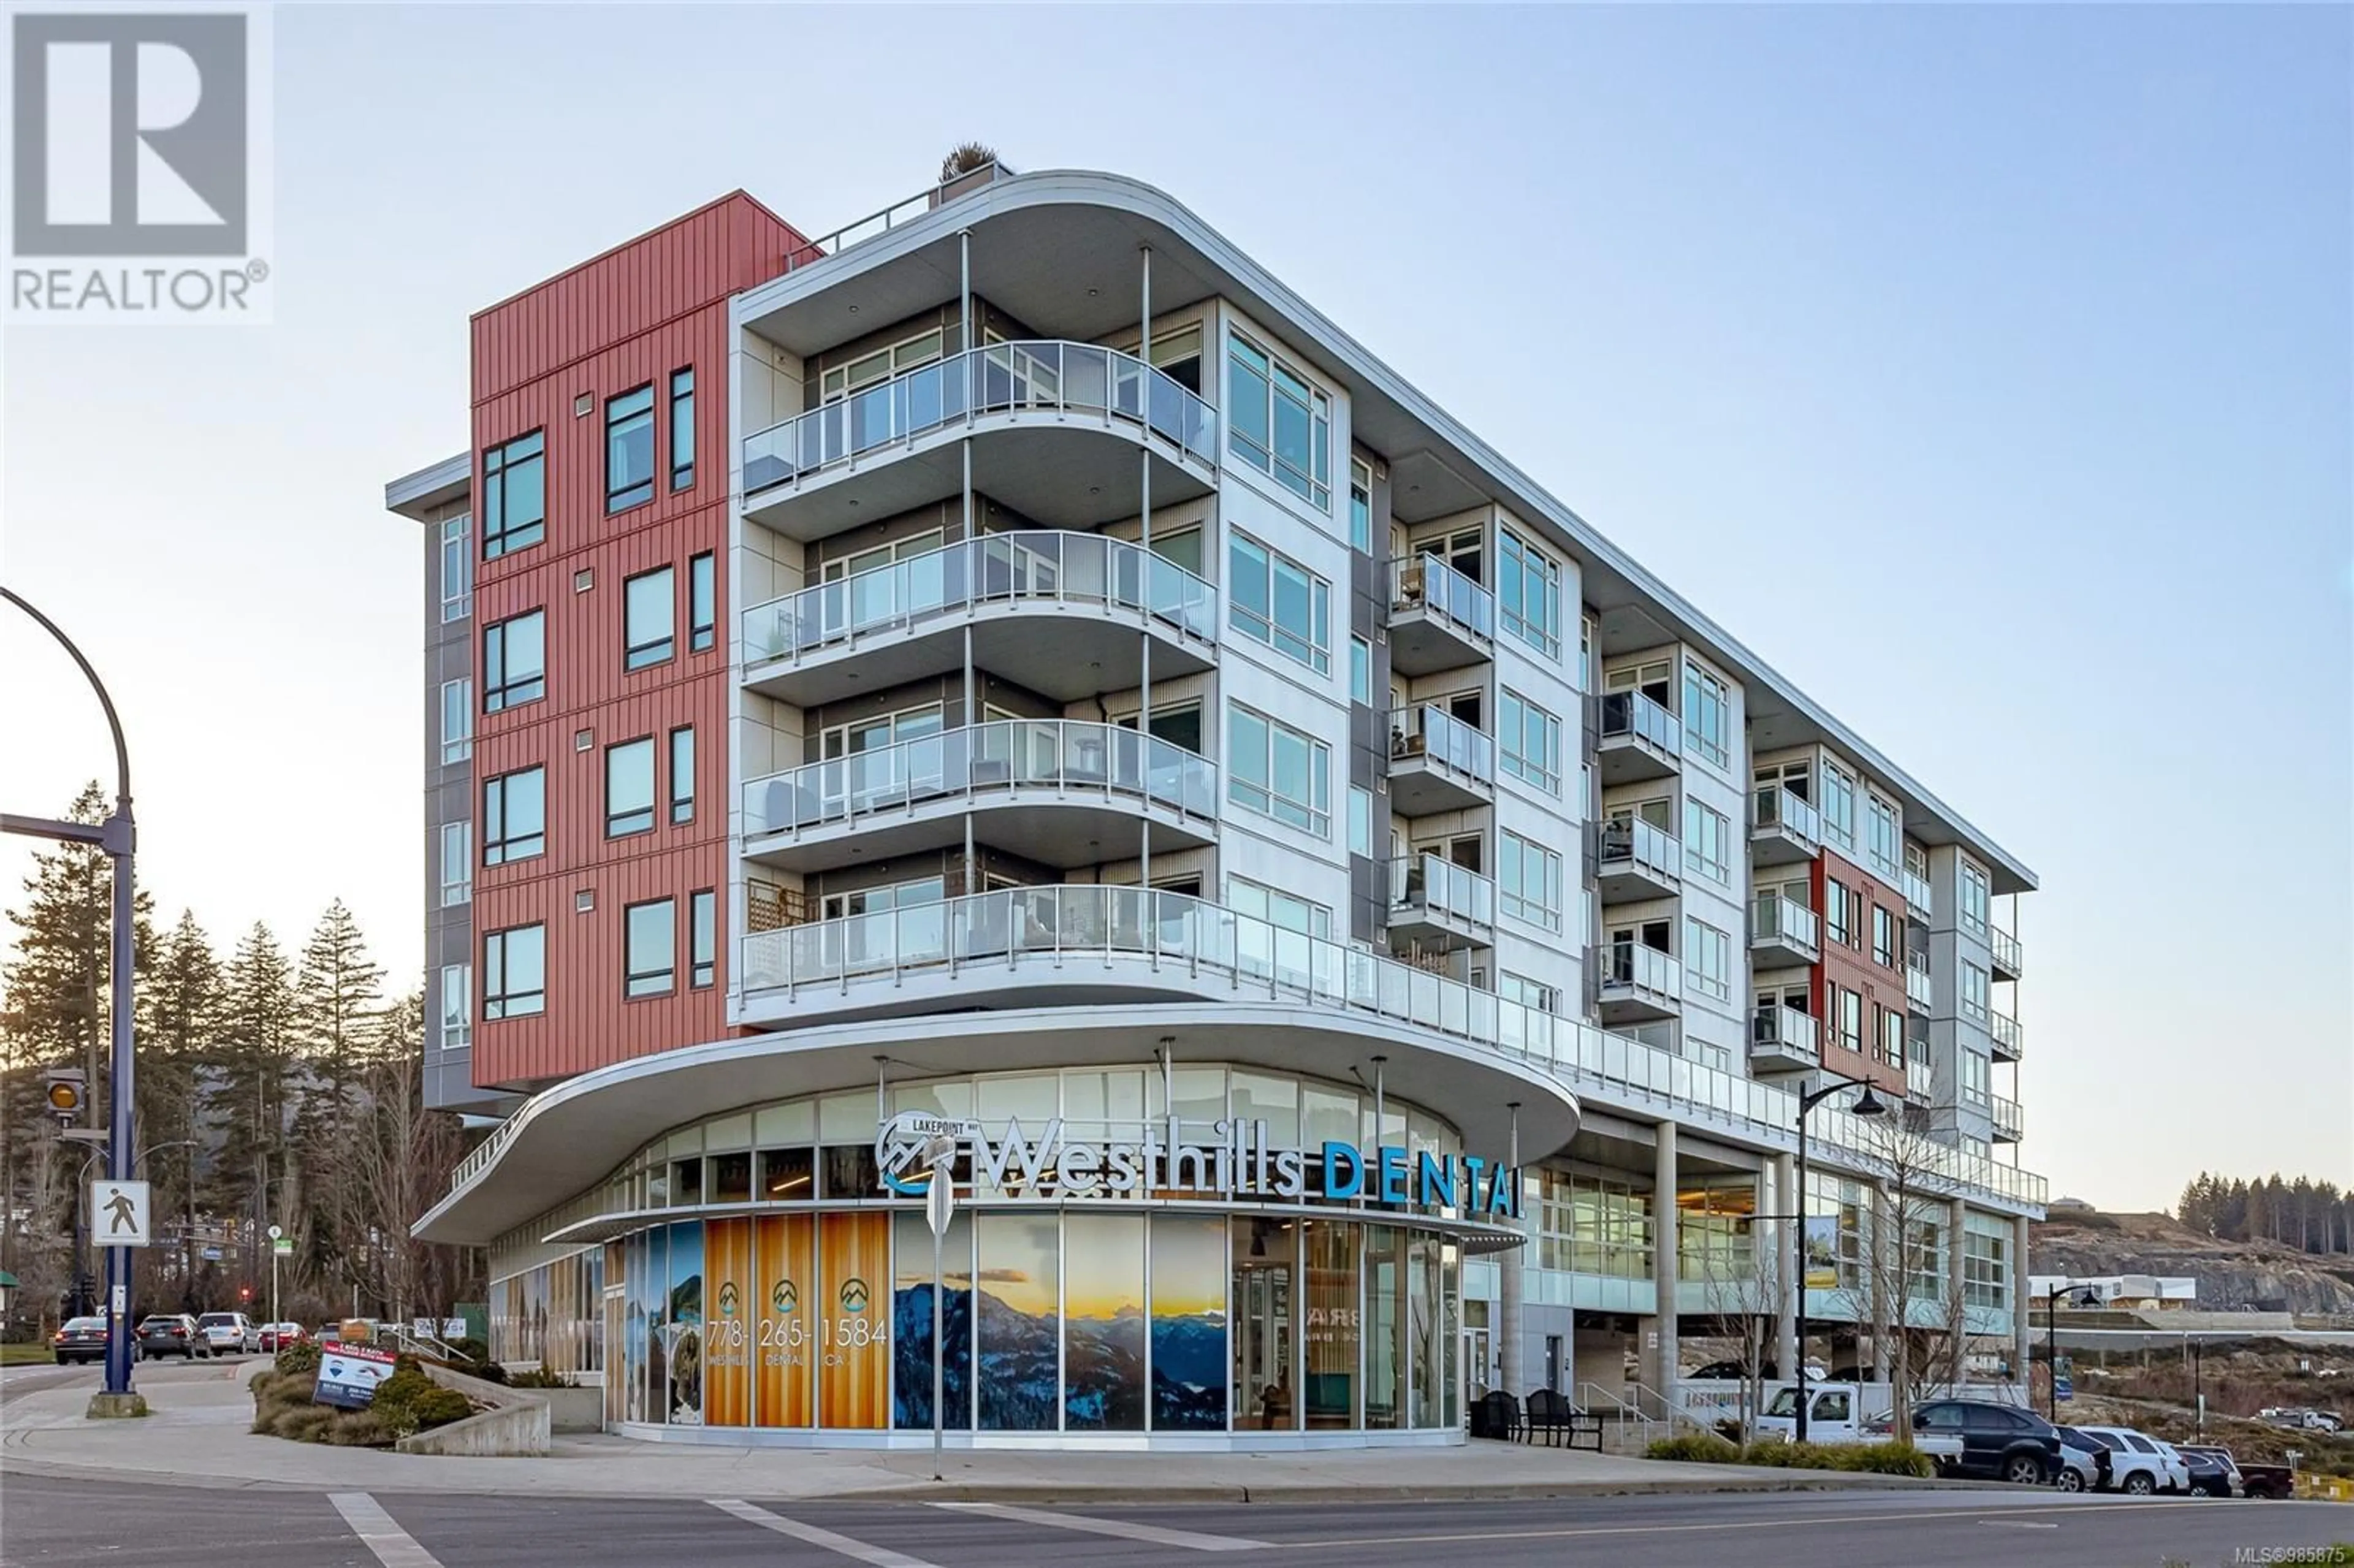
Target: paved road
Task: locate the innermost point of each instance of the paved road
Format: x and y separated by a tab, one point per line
47	1521
17	1381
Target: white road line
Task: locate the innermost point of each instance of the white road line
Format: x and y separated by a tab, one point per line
880	1556
1192	1539
394	1547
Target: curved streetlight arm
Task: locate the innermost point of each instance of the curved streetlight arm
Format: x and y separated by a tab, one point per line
114	723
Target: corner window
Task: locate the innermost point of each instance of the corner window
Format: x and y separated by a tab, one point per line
1276	771
629	449
1528	595
1974	891
1361	506
681	428
457	1006
649	618
702	604
1274	599
681	774
630	788
457	862
1529	884
1530	739
651	939
456	721
1839	806
703	919
457	572
514	495
1707	721
1882	838
1278	422
514	661
514	816
515	972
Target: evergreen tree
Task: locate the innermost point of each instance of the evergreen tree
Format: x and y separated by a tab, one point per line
181	1051
339	1004
257	1082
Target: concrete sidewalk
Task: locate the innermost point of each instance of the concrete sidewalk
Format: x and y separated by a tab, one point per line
197	1436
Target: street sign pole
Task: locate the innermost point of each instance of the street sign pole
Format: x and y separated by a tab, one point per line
275	1232
939	1208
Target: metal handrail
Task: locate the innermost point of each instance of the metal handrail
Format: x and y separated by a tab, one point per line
1632	714
878	224
1787	1027
1779	915
1048	565
1426	582
2005	948
1772	806
1633	964
1043	377
1433	882
1645	844
1064	755
1425	729
1918	891
2007	1033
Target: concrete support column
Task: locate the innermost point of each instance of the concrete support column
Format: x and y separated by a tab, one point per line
1660	1358
2022	1324
1957	1291
1884	1290
1788	1200
1511	1369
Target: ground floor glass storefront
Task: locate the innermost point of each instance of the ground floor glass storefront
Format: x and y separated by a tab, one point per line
1056	1320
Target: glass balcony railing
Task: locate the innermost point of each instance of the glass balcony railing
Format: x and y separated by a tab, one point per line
2007	1036
1066	755
1426	582
1772	806
1784	1029
1630	841
1920	1079
1434	884
1918	991
1046	567
1775	916
2006	950
1046	377
1430	731
1631	714
1633	964
2007	1119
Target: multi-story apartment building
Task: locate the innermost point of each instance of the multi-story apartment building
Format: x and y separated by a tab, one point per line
1011	682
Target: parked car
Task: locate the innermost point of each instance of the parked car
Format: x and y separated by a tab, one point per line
79	1339
171	1334
2084	1463
276	1337
2278	1482
1733	1372
2139	1466
1978	1437
2213	1472
229	1333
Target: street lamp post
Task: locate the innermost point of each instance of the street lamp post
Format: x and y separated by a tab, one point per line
2079	1296
117	836
1865	1105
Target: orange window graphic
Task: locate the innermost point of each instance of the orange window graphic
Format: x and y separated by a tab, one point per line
853	1321
784	1296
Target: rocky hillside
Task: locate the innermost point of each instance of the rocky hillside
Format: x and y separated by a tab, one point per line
2230	1274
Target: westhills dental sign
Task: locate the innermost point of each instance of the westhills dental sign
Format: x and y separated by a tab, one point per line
1237	1162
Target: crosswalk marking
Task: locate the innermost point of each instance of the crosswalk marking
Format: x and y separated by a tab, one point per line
1193	1540
879	1556
394	1547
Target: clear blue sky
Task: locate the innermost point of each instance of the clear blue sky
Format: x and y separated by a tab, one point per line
1987	370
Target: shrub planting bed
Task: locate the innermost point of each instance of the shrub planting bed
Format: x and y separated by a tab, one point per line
407	1402
1874	1458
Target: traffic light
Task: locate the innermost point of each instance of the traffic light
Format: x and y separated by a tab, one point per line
245	1293
67	1090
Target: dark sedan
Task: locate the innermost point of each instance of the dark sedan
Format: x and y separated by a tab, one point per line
81	1339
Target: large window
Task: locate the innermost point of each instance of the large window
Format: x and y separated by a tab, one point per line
1708	716
1974	891
1707	842
1276	771
514	816
1525	993
1975	1069
1528	595
649	618
1361	821
514	661
681	428
1883	843
1707	959
1530	741
457	862
1883	938
1278	422
1838	917
629	449
702	604
1361	505
681	774
457	572
1974	993
1361	671
515	972
1275	601
1286	911
1985	1267
457	1006
457	720
702	920
651	940
1892	1035
1530	882
630	788
514	495
1839	806
1847	1018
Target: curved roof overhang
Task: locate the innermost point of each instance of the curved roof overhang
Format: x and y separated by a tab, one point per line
571	1137
1094	225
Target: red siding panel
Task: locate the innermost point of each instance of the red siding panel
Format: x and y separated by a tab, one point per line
1853	969
625	319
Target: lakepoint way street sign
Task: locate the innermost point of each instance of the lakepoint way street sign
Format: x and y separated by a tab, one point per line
118	1213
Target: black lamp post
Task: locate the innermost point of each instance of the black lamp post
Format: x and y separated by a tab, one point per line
2078	1296
1866	1104
117	836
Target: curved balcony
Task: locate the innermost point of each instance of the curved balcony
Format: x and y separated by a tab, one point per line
1060	792
1054	611
1062	422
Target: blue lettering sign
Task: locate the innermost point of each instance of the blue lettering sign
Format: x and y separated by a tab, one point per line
1393	1174
1435	1181
1334	1187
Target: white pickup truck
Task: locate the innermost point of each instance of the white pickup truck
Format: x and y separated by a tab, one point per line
1835	1414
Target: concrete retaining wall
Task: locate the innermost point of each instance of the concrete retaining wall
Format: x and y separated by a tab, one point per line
574	1409
516	1424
